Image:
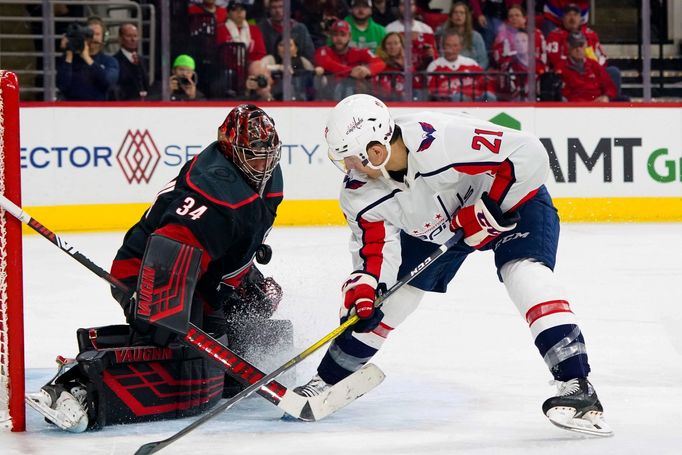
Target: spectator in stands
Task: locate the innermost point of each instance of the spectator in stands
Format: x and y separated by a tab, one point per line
318	16
219	14
460	20
183	80
382	12
240	31
557	40
303	73
489	16
424	48
553	11
364	32
350	67
271	29
458	88
584	78
132	77
391	82
513	80
85	73
503	47
557	43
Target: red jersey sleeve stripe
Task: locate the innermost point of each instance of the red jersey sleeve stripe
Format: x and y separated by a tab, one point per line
184	235
546	308
504	179
475	168
373	240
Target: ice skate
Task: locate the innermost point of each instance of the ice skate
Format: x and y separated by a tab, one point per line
316	386
65	408
576	407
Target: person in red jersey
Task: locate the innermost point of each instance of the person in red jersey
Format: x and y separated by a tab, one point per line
457	88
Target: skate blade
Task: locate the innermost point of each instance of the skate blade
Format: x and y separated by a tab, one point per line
592	423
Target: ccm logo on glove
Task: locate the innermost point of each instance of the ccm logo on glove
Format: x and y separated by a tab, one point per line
483	221
359	293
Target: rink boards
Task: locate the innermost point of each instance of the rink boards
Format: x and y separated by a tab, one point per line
97	167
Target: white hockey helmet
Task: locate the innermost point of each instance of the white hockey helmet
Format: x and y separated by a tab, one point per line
355	122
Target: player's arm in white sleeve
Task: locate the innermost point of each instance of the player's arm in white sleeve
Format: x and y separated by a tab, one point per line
375	238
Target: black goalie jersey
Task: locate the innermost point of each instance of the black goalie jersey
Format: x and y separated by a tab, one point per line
210	206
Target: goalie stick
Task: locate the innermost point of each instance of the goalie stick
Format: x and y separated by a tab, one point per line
153	447
304	408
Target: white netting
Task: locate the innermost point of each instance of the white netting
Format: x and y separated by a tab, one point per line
4	358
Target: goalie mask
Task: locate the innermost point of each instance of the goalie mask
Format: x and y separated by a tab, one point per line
353	124
248	137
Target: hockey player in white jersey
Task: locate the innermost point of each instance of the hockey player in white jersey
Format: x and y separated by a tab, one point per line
412	182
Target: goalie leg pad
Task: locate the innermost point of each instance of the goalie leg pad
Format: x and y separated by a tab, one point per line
131	384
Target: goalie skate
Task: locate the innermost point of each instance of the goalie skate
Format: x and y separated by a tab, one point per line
66	409
576	407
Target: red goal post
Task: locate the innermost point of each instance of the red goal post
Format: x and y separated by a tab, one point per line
12	408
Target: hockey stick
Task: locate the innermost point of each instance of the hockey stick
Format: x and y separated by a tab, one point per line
153	447
235	366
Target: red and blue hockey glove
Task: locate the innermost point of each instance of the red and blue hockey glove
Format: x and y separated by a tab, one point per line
359	292
483	222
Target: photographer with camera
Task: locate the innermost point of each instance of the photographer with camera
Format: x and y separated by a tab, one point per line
85	73
183	81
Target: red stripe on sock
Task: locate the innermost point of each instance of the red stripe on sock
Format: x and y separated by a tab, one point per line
547	308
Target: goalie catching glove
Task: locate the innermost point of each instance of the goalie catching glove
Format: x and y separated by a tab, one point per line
483	222
359	293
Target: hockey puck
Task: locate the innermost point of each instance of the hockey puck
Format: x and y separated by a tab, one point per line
263	254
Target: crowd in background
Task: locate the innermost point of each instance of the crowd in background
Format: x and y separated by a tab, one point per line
477	50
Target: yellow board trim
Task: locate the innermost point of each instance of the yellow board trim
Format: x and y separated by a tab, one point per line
119	217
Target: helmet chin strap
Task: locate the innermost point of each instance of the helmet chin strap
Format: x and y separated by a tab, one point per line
382	167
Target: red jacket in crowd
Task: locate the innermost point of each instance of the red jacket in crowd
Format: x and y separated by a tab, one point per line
586	83
557	46
341	65
554	9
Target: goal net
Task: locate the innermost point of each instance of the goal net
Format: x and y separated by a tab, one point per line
11	308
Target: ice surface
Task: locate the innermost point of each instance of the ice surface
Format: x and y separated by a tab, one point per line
462	373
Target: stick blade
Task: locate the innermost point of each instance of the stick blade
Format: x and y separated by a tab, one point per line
150	447
343	393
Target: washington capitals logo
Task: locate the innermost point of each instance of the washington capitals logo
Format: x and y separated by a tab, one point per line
428	136
352	184
356	123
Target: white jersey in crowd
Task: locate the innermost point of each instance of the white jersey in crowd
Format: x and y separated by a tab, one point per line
417	27
452	160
